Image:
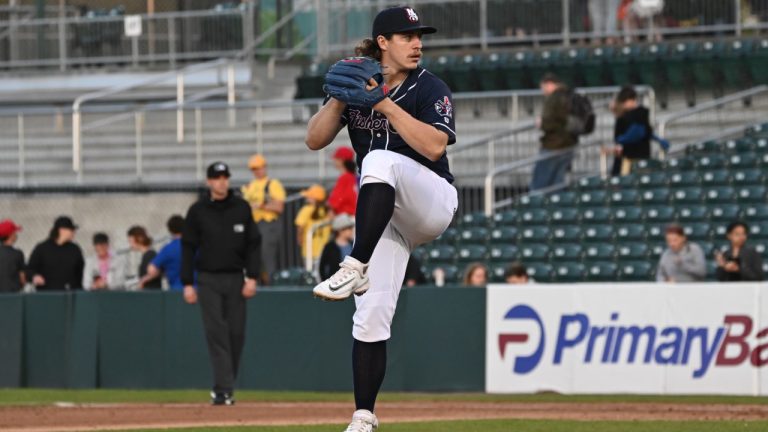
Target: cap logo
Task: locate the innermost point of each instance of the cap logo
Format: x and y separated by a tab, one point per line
220	167
412	15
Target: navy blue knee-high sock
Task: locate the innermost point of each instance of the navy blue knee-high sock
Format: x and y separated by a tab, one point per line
369	365
375	205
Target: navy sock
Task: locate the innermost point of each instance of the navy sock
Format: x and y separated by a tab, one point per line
369	365
375	205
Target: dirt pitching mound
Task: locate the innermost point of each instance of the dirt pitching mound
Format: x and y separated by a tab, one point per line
65	418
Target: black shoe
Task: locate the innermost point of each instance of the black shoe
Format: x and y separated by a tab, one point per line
222	399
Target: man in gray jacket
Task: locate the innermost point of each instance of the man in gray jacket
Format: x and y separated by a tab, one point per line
683	261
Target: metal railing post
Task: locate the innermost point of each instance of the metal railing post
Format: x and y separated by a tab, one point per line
737	16
484	25
566	22
259	129
490	194
62	44
180	108
22	150
199	144
321	164
139	130
172	41
77	143
231	94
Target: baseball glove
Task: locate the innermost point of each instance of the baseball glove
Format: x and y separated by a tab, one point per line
347	79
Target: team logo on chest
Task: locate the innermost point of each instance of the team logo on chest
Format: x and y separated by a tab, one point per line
444	107
412	15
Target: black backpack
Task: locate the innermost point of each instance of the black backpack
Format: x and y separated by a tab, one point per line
581	116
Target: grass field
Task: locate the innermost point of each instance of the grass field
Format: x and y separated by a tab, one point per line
42	397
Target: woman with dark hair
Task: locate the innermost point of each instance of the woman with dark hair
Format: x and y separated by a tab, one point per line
57	263
141	243
343	197
740	263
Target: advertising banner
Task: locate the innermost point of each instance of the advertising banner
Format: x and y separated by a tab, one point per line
628	338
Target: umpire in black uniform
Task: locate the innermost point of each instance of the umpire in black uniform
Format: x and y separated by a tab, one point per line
222	244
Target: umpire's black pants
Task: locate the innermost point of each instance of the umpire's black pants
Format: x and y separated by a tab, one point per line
223	309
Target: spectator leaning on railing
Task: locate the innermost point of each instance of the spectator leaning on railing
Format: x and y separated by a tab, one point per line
168	260
683	261
12	277
57	263
740	263
104	270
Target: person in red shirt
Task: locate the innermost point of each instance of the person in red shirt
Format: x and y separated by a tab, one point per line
343	198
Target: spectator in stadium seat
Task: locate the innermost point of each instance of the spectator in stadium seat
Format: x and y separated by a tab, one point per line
12	276
683	261
413	274
343	197
141	243
476	275
516	274
314	211
340	246
740	263
267	199
168	260
555	137
104	270
56	264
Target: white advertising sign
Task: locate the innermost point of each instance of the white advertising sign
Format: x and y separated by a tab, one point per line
132	25
635	338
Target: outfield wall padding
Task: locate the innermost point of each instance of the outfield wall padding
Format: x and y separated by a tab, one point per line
293	342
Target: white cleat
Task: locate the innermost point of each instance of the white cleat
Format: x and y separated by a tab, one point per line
351	278
363	421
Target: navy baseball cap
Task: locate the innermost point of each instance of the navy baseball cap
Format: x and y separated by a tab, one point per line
400	19
218	169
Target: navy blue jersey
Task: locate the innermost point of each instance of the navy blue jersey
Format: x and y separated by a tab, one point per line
422	95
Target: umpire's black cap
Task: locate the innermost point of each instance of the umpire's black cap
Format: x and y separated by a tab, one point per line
218	169
399	19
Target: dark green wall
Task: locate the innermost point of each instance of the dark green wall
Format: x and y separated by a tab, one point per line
294	342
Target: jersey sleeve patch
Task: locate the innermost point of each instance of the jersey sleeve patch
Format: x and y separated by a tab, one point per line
436	107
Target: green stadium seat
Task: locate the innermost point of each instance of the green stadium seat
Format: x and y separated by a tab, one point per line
757	130
496	272
421	253
598	233
452	273
489	74
504	253
442	254
681	164
742	145
509	217
632	232
720	194
624	197
707	247
706	65
655	249
538	234
685	179
566	233
295	276
474	219
539	272
656	230
531	201
623	182
473	235
724	212
565	199
472	253
711	270
693	213
721	177
691	195
759	230
735	66
744	160
516	71
534	252
752	194
590	183
704	147
636	271
596	198
719	230
650	65
764	160
449	236
761	146
632	251
647	165
756	212
625	215
601	271
698	231
504	235
463	74
569	272
623	66
660	214
653	180
567	252
655	196
564	216
595	68
599	252
758	62
534	216
712	162
596	215
762	249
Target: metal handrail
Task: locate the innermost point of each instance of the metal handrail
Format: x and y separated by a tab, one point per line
708	106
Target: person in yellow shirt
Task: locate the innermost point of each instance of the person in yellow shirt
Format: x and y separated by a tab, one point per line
314	211
267	199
